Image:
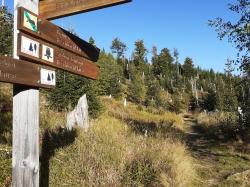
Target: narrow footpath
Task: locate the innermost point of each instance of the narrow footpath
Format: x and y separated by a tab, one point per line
219	163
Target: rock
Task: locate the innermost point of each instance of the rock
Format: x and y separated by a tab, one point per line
79	116
243	177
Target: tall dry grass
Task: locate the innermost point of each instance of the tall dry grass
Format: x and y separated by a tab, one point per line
111	154
220	125
139	114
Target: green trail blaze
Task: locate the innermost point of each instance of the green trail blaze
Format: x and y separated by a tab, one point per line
31	22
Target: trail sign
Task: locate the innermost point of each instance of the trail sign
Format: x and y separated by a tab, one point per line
25	73
28	22
55	57
29	46
42	42
52	9
47	53
47	77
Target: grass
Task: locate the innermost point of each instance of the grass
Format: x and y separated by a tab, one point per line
131	146
223	161
145	120
5	134
5	165
111	154
225	168
220	126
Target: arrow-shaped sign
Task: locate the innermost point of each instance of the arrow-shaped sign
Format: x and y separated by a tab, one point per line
28	22
52	9
58	58
24	73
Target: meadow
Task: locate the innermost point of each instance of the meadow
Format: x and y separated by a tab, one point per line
133	146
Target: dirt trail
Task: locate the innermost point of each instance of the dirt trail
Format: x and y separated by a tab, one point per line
197	141
217	162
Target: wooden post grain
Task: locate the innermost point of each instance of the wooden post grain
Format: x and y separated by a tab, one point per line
25	156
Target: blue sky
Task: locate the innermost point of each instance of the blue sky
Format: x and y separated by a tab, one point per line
180	24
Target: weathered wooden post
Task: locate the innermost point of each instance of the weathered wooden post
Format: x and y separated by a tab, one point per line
37	40
25	156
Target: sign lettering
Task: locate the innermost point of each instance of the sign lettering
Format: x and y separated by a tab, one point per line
23	72
57	36
59	58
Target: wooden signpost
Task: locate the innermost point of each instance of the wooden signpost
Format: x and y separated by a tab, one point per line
25	139
25	73
42	29
38	41
52	9
50	55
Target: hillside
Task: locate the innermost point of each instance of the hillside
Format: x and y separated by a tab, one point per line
157	117
133	146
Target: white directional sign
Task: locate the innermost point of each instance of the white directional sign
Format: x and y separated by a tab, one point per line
47	53
48	77
30	47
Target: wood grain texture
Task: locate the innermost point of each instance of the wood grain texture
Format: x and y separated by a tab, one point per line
25	137
52	9
59	37
20	72
25	143
64	60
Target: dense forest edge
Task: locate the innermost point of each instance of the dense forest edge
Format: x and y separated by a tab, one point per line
154	122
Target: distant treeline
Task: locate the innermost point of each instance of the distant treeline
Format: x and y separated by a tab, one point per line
164	82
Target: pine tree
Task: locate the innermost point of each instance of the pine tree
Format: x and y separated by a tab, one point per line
136	89
188	68
6	31
153	94
92	40
230	98
238	34
118	48
69	89
140	55
209	102
110	78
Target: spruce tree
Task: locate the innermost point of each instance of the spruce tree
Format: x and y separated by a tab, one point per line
139	55
238	33
119	48
92	40
6	31
188	68
230	98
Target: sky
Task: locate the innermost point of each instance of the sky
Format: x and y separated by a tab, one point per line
181	24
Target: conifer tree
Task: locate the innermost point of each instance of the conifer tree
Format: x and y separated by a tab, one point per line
188	68
118	48
238	33
136	87
6	31
230	99
92	40
139	55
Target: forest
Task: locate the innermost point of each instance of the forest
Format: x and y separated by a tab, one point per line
182	125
